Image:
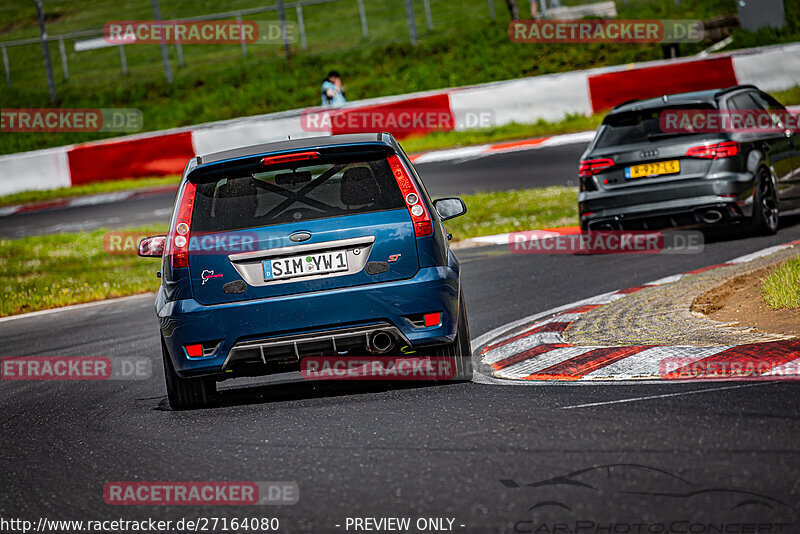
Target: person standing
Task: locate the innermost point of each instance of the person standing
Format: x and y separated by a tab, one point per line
332	91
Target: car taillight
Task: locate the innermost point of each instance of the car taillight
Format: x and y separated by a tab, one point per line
288	158
423	225
716	151
178	239
590	167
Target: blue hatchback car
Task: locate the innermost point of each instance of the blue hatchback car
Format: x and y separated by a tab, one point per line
316	247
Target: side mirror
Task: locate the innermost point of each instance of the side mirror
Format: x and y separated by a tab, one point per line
152	247
448	208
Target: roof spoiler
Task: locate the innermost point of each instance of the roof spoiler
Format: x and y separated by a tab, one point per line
731	89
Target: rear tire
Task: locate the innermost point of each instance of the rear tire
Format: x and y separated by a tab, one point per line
186	393
460	350
765	205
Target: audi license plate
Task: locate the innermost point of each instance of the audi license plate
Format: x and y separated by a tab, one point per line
653	169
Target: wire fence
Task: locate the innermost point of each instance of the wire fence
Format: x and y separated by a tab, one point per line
81	56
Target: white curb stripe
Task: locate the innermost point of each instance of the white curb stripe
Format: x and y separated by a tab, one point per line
648	363
521	345
541	362
758	254
788	368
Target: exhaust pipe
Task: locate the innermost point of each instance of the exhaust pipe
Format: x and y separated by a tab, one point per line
380	342
711	216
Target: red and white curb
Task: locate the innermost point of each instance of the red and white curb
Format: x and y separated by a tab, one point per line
503	239
472	152
88	200
534	349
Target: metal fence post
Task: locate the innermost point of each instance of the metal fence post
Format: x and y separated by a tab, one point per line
492	14
301	26
48	65
284	31
164	52
179	49
124	60
412	24
64	66
428	15
244	44
5	64
363	14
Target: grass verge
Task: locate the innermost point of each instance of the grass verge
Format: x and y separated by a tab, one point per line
511	211
43	272
25	197
781	289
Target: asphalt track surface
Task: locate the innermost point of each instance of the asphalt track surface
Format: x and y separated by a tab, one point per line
515	170
493	458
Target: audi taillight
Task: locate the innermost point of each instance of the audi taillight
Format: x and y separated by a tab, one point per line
590	167
715	151
178	239
423	225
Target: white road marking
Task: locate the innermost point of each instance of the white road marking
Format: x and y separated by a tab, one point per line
662	396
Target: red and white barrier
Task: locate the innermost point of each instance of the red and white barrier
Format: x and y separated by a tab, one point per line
29	171
526	100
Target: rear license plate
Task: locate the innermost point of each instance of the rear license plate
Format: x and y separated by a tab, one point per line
653	169
305	265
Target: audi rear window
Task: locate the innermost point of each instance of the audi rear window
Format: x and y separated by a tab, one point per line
301	192
639	126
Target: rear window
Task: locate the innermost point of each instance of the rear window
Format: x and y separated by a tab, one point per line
638	126
305	192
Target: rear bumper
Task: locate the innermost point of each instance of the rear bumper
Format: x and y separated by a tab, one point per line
667	205
257	322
